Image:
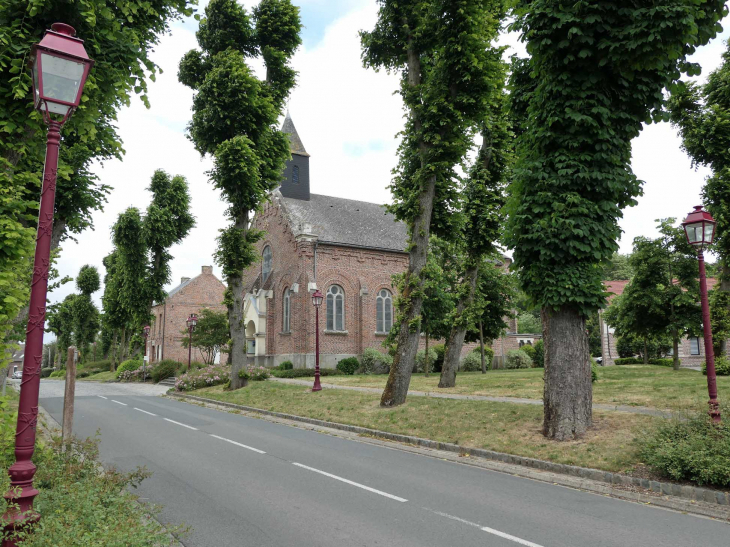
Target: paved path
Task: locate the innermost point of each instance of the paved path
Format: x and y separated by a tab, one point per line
245	482
516	400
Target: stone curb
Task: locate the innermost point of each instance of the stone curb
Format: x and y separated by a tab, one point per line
703	501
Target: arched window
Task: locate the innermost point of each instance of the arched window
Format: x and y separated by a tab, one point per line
287	311
335	308
384	311
266	269
295	175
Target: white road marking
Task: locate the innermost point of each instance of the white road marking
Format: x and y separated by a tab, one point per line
101	396
239	444
135	408
492	531
125	404
352	483
178	423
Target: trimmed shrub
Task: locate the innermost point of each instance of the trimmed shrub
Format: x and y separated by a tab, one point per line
58	374
165	369
212	375
722	366
286	365
628	361
663	362
304	373
516	358
46	372
689	447
539	358
472	362
348	365
375	362
530	351
129	365
432	357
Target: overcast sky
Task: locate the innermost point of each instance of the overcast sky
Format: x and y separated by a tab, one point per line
348	118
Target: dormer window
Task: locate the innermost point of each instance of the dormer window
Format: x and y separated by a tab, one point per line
266	268
295	175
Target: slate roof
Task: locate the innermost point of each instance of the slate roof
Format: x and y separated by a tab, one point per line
297	146
179	287
345	222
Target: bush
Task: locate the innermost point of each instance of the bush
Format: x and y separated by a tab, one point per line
83	374
594	373
488	354
663	362
286	365
46	372
58	374
437	364
348	365
432	357
690	447
375	362
628	361
304	373
539	358
211	375
516	358
257	373
472	362
166	368
138	375
129	365
530	351
722	366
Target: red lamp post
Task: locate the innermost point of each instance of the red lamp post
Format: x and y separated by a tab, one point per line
60	67
145	333
191	322
699	227
317	298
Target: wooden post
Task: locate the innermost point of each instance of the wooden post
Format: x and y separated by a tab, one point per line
68	396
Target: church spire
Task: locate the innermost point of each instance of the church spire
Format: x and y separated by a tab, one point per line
297	147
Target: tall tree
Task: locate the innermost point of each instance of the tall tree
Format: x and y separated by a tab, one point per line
61	323
617	268
119	35
701	113
85	314
449	72
210	334
483	223
235	115
596	73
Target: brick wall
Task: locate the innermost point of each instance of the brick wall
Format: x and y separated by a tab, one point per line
165	339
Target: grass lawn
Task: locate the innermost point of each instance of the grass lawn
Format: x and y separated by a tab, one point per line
100	377
636	385
503	427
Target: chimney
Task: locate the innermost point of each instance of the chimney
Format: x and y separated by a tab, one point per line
207	270
184	279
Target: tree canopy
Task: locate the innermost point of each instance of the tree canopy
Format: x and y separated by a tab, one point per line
210	334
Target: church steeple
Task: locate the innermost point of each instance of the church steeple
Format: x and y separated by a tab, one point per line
295	183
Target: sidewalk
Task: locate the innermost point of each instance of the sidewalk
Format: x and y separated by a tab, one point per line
514	400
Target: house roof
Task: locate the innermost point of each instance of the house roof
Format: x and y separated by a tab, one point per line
345	222
177	289
17	354
616	288
297	146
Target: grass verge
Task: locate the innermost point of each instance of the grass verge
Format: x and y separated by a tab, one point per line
504	427
100	377
651	386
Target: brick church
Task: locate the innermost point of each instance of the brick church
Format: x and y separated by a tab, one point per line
347	249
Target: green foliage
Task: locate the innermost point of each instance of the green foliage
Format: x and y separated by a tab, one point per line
286	365
719	316
689	448
256	373
304	373
46	372
528	323
86	321
530	351
539	357
432	358
488	355
58	374
594	373
212	375
629	346
595	75
166	368
60	321
211	334
375	362
722	366
348	365
129	365
628	361
516	358
617	267
594	335
472	362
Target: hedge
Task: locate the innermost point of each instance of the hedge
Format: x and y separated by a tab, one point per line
304	373
628	361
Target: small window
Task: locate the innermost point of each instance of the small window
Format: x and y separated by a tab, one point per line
266	269
384	311
694	346
295	175
287	311
336	308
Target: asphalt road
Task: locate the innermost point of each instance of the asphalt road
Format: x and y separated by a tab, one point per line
240	481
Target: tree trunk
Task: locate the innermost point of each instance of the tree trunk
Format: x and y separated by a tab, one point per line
124	349
455	342
113	351
675	347
646	351
396	388
425	358
236	319
568	394
481	348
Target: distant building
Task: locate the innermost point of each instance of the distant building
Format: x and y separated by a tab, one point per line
190	296
16	358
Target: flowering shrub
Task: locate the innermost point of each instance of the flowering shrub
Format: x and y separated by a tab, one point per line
212	375
136	375
258	374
